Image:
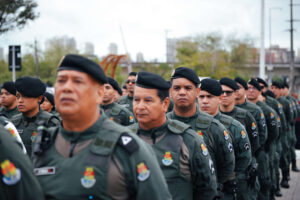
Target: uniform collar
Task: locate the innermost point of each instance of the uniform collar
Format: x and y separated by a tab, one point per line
31	119
231	112
84	135
154	132
186	119
108	106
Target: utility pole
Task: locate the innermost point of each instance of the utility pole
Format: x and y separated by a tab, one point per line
292	67
36	59
262	42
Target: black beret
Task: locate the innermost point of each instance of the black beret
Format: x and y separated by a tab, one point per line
132	74
113	83
229	82
212	86
277	84
30	87
152	81
255	83
242	82
184	72
50	98
270	93
10	87
262	81
285	84
82	64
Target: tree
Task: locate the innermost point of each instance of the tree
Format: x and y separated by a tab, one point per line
16	13
212	55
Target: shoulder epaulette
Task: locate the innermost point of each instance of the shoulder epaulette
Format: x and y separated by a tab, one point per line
241	113
177	127
226	120
16	119
116	110
203	122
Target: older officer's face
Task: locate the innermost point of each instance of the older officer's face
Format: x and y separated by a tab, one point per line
148	108
76	93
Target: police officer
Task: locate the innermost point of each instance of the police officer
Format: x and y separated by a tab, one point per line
209	100
270	100
113	110
184	92
255	110
181	152
9	100
267	162
17	178
48	103
284	160
296	112
29	95
227	107
89	156
126	101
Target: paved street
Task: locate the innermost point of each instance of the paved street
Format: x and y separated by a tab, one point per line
293	193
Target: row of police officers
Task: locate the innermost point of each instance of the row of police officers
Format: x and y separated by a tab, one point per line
183	139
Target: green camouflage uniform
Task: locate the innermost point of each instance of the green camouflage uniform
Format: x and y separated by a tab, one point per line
27	127
17	178
296	114
126	101
183	158
285	159
106	161
245	118
118	113
267	179
217	140
242	152
281	140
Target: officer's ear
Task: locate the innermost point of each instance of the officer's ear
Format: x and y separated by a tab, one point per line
198	91
41	99
166	103
99	92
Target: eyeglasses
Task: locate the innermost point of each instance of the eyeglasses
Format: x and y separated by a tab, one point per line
227	92
132	81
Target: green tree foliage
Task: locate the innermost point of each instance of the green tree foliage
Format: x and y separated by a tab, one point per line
212	55
16	13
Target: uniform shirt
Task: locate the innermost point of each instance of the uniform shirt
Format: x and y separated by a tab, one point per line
183	158
17	178
249	122
27	126
259	117
9	113
281	122
126	101
105	161
241	144
273	129
118	114
217	139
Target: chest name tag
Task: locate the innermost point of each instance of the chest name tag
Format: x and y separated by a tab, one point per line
44	171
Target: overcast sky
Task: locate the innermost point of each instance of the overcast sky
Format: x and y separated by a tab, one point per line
144	23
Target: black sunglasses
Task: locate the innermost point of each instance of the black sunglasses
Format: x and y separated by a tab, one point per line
227	92
132	81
